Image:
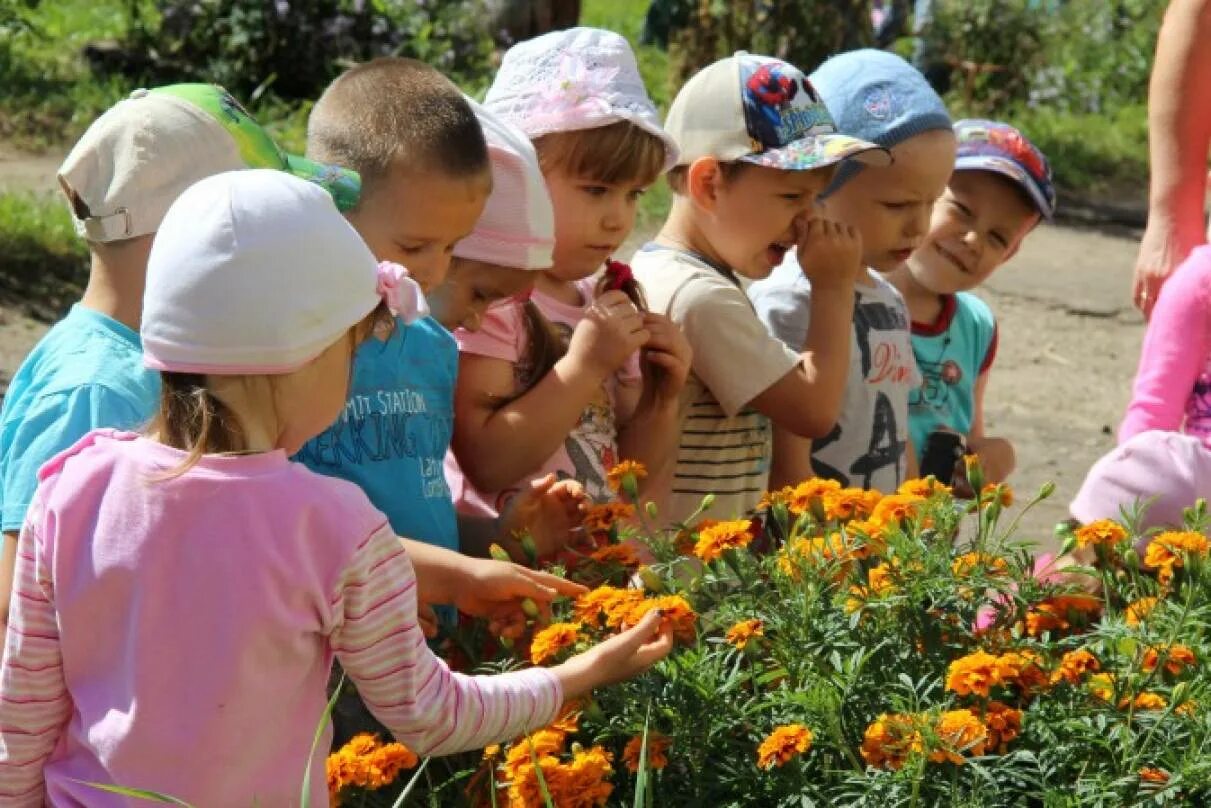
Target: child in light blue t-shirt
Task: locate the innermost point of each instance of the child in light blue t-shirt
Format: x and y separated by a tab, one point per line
1000	190
87	371
394	435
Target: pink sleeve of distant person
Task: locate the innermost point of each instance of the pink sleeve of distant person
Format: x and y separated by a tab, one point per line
34	703
1176	346
429	708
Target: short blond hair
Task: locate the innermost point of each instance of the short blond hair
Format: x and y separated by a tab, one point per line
396	112
620	152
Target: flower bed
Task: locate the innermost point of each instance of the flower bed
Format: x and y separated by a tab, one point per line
848	648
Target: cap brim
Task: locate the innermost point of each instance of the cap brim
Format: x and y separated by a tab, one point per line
818	151
343	184
1008	168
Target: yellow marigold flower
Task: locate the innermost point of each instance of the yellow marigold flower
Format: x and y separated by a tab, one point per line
617	475
1138	611
1101	685
1146	701
1074	665
623	555
492	751
551	641
1057	613
923	487
727	535
365	763
676	613
1103	532
1004	724
999	491
658	745
890	739
1169	551
896	509
880	581
1186	708
608	602
809	491
780	497
783	744
600	518
1151	775
740	633
967	563
960	732
871	533
977	673
588	780
845	504
1176	658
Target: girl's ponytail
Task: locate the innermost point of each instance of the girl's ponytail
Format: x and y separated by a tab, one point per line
618	276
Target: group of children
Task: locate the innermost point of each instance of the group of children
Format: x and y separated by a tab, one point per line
427	316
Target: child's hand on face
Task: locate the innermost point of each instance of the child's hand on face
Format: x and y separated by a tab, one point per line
547	509
612	330
668	349
619	658
830	253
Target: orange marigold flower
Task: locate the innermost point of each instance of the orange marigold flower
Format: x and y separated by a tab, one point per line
545	743
1151	775
608	602
1176	658
999	491
880	581
1074	665
1103	532
1146	701
809	491
568	720
845	504
676	613
1138	611
1004	724
1186	708
623	555
967	563
549	642
890	739
658	745
1101	685
1024	669
363	762
600	518
923	487
1057	613
728	535
617	475
1169	551
783	744
740	633
780	497
960	732
977	673
895	509
587	781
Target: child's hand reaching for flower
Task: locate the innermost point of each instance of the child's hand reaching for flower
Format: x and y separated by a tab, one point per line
830	253
621	657
499	591
549	510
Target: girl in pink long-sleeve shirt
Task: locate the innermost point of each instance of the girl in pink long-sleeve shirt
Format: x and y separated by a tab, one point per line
181	595
1164	451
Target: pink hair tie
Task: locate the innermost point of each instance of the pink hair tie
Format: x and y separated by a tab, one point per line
401	293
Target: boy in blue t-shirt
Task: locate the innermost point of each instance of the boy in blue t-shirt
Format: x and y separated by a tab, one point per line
1000	190
427	181
119	179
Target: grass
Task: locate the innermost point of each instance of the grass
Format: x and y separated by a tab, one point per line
45	262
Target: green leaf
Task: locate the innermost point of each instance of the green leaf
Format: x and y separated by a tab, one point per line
542	781
415	779
305	799
641	776
137	793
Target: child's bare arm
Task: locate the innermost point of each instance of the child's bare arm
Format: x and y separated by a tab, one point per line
498	445
791	463
807	400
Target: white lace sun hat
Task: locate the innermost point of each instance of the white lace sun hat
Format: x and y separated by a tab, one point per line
581	78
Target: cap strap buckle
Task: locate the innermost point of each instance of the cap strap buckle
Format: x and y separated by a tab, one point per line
112	227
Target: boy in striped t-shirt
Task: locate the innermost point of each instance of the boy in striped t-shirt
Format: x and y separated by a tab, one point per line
757	146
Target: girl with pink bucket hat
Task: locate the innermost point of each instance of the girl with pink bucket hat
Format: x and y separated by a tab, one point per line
228	578
555	384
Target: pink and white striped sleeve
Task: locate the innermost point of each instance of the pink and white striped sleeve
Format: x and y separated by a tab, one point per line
429	708
34	703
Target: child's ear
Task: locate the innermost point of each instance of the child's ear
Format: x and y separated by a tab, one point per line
704	182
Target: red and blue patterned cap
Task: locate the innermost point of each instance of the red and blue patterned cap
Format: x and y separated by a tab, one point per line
1002	149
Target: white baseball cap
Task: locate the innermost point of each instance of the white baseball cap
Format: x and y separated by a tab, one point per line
760	110
137	157
253	271
517	227
579	78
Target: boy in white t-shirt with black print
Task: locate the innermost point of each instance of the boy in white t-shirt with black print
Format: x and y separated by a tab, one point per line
757	147
879	97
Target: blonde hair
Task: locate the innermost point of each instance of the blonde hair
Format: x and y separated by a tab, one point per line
194	418
396	112
618	153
